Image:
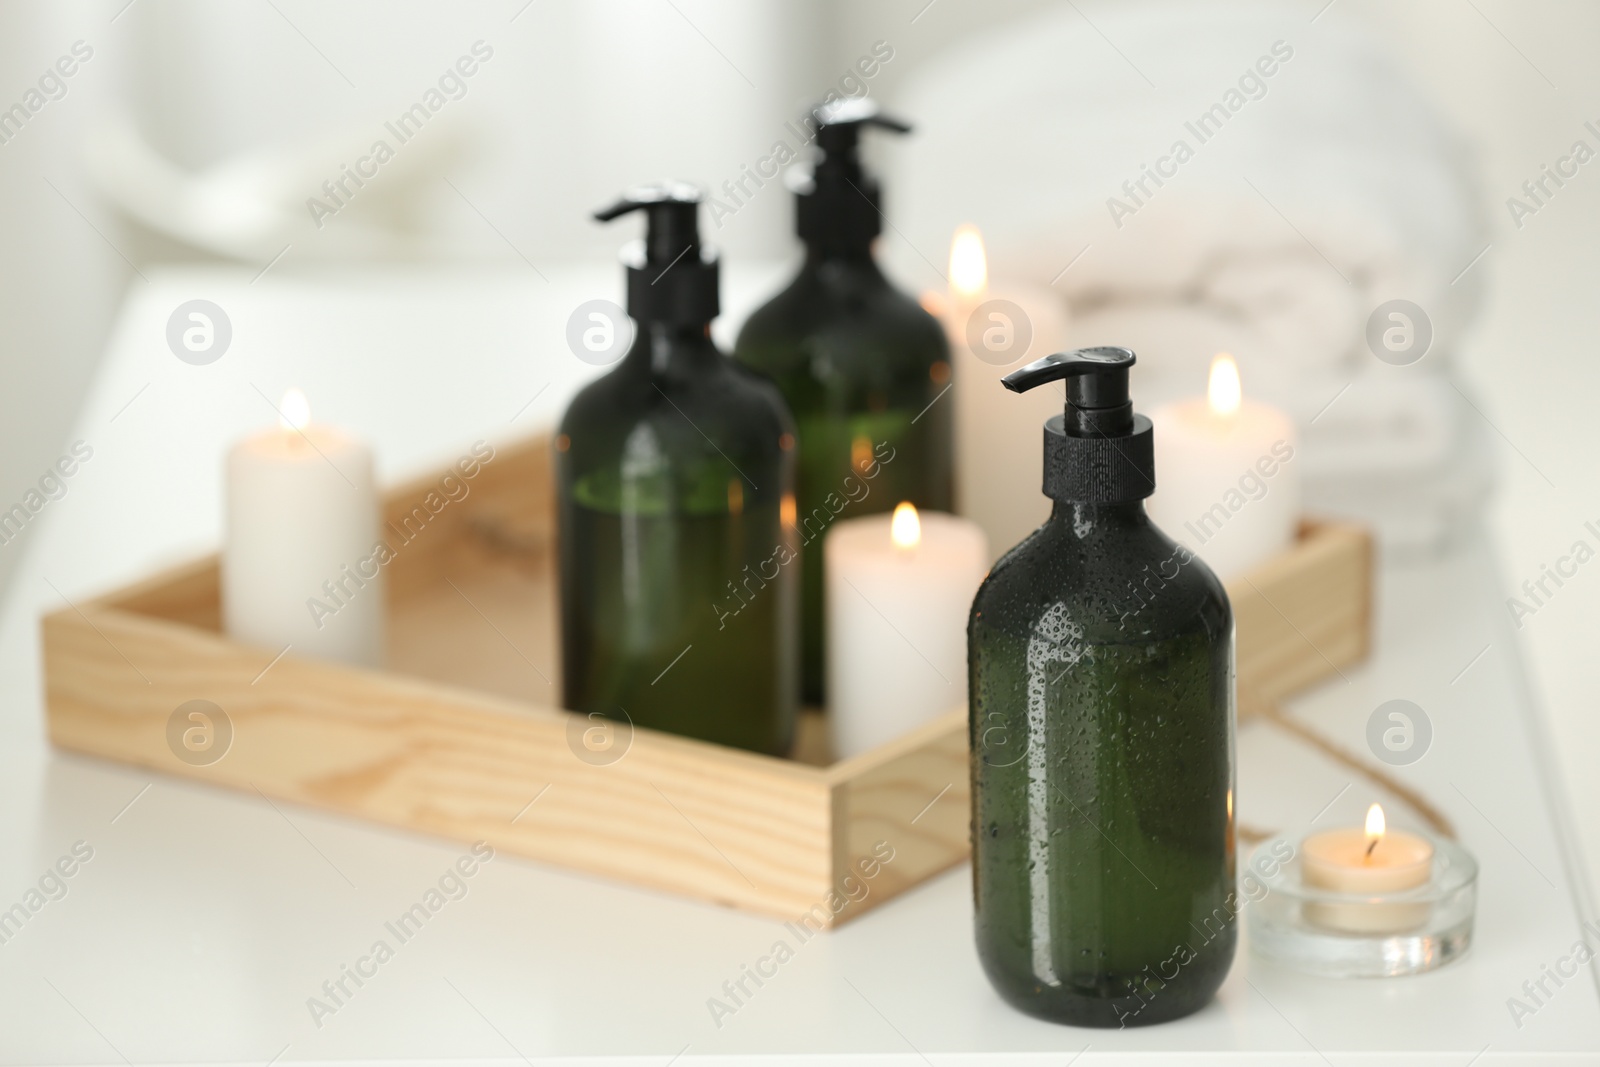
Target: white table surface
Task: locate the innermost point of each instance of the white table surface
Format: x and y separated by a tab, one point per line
206	918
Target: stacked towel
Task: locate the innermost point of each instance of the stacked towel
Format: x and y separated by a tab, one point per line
1225	179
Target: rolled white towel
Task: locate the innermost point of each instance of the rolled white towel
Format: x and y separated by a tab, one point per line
1322	185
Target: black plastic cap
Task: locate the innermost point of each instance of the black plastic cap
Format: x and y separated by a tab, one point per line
839	206
672	277
1097	450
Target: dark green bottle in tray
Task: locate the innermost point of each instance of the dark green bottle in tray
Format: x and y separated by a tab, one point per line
860	363
679	575
1102	719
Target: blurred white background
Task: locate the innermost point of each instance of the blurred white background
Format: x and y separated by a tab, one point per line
209	102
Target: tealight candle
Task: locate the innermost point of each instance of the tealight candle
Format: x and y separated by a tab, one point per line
302	558
1227	483
1370	861
898	589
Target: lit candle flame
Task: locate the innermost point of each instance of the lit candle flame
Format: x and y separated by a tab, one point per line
1375	828
905	529
294	413
1223	392
969	266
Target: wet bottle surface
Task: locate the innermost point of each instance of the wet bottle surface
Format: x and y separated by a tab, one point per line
1101	719
1101	723
679	580
860	364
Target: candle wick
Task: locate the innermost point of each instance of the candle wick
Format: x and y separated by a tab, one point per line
1371	846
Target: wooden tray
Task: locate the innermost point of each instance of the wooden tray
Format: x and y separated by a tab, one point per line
462	736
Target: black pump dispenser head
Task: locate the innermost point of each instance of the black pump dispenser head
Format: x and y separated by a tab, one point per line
672	277
837	207
1098	450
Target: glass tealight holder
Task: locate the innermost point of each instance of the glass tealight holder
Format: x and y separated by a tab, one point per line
1361	935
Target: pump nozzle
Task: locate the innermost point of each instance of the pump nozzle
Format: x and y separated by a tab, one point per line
838	208
1097	388
1097	450
671	277
839	123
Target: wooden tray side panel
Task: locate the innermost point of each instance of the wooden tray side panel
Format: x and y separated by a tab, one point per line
910	801
678	815
434	525
1304	615
190	594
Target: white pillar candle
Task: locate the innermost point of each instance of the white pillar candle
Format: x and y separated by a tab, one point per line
301	565
1371	861
1227	477
999	456
898	590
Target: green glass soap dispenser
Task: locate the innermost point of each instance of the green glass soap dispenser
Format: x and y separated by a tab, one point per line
1100	659
679	575
860	363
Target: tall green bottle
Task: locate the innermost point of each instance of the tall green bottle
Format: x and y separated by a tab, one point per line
679	575
1102	718
860	363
